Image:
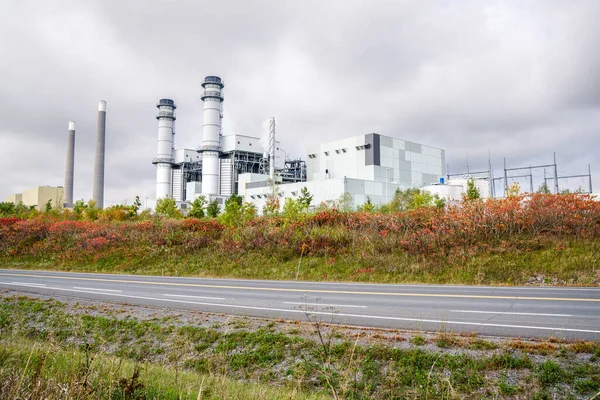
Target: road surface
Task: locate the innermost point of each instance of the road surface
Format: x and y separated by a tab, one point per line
570	313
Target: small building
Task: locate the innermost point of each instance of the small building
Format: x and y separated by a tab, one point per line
39	197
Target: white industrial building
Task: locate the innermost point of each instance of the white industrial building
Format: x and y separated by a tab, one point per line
369	166
366	166
213	168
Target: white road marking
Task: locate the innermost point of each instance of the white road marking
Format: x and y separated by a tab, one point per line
97	289
321	304
510	313
28	284
194	297
292	311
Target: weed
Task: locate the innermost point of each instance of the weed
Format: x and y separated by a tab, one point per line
549	373
418	340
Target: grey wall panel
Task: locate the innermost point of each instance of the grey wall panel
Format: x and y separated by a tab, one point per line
373	153
414	147
386	141
355	186
404	165
405	177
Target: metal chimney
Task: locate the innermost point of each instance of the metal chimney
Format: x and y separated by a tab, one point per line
98	186
164	156
272	148
68	202
211	134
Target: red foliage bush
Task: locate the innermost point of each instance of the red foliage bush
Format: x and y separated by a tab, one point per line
459	230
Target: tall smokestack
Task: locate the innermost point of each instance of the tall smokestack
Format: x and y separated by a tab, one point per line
98	188
211	134
70	165
272	148
164	156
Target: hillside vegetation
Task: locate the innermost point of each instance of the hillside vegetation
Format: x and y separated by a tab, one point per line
54	350
543	238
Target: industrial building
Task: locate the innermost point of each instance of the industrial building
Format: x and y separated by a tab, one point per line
213	169
365	167
39	196
369	166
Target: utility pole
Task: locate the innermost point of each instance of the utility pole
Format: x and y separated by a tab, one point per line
505	179
530	180
590	176
555	175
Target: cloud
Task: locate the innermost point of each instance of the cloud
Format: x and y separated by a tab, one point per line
517	79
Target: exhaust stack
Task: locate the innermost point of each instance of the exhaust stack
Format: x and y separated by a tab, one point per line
68	201
211	134
164	156
98	186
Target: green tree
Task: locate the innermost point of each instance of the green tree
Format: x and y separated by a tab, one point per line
48	206
401	200
305	199
137	204
197	210
249	211
167	207
233	210
7	208
420	198
292	208
345	203
439	202
544	188
513	190
79	207
213	209
272	205
472	192
91	212
367	206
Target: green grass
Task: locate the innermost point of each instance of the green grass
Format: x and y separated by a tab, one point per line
573	265
27	370
167	350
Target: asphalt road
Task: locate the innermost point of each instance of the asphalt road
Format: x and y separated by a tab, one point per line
570	313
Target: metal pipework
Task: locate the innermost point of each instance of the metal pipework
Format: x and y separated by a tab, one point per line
211	134
98	186
272	148
164	156
70	165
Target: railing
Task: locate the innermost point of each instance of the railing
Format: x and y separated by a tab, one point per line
213	79
166	102
212	93
165	114
209	147
162	160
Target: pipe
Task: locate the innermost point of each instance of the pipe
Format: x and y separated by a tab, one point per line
70	165
272	148
98	186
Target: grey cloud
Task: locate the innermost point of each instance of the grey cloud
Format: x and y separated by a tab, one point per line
518	78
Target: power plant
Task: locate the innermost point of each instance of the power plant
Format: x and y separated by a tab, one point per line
214	168
367	167
370	166
70	166
98	185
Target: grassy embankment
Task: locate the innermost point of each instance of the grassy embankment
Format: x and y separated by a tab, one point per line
53	350
554	238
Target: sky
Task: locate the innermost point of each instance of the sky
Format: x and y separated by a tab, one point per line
506	79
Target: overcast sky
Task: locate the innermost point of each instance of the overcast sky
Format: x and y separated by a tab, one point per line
519	79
